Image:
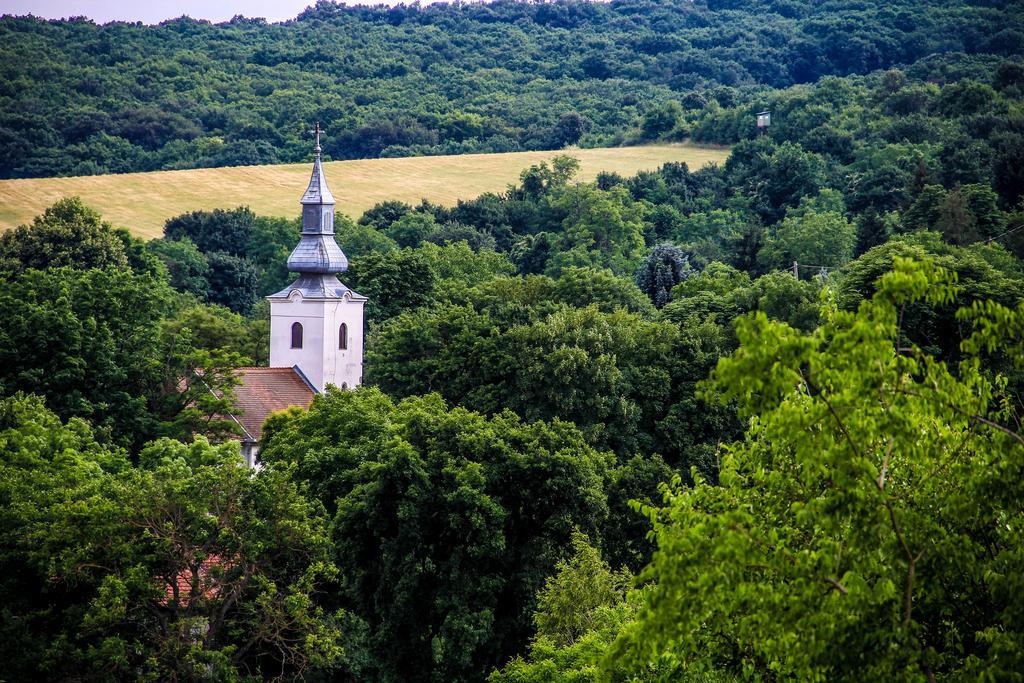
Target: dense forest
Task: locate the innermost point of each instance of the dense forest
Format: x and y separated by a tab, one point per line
81	99
755	421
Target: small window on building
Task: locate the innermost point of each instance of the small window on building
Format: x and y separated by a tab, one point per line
343	336
296	335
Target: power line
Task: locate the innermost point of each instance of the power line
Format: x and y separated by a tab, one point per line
1008	232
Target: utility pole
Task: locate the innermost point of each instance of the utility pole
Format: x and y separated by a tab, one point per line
796	270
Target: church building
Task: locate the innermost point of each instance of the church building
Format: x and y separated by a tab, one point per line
316	324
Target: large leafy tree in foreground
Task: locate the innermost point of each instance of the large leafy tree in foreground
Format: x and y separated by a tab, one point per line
869	527
446	522
188	567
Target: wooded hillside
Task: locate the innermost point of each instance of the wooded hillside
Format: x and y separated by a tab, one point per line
446	78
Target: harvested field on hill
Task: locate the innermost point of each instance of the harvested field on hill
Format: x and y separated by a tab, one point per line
143	201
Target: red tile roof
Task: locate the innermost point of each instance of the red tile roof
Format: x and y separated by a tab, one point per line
206	582
267	390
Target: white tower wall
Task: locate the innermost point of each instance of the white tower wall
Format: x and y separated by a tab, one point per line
343	367
310	314
320	359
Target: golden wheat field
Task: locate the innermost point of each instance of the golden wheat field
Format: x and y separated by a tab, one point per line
143	201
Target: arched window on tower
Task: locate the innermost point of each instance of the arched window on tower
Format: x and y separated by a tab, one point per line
343	336
296	335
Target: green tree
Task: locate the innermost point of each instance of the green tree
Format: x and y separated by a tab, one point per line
219	230
270	243
582	287
570	128
207	400
661	121
863	492
233	281
412	228
394	281
602	229
983	272
582	608
67	234
89	342
215	328
665	267
774	178
446	522
541	179
814	238
567	604
383	215
191	566
357	239
186	265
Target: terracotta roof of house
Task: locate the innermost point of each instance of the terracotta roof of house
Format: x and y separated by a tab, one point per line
206	583
266	390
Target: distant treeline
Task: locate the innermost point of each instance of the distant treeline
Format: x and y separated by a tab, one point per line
77	98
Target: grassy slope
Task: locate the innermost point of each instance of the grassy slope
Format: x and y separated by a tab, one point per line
143	201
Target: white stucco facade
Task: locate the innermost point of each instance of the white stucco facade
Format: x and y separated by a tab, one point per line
321	358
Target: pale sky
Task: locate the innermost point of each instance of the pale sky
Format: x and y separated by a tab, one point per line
155	11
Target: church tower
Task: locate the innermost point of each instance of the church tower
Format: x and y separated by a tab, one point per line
316	323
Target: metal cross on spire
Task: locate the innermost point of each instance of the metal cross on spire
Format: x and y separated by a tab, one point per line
316	132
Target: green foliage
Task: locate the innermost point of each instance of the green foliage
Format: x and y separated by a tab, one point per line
984	272
383	215
583	287
130	575
394	281
213	328
460	263
233	281
412	228
446	522
229	258
861	496
357	239
581	662
773	178
67	234
661	121
602	229
186	265
451	79
817	238
270	243
214	231
722	293
625	541
208	399
579	587
89	342
607	372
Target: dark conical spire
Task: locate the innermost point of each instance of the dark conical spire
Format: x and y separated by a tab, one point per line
317	192
317	252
